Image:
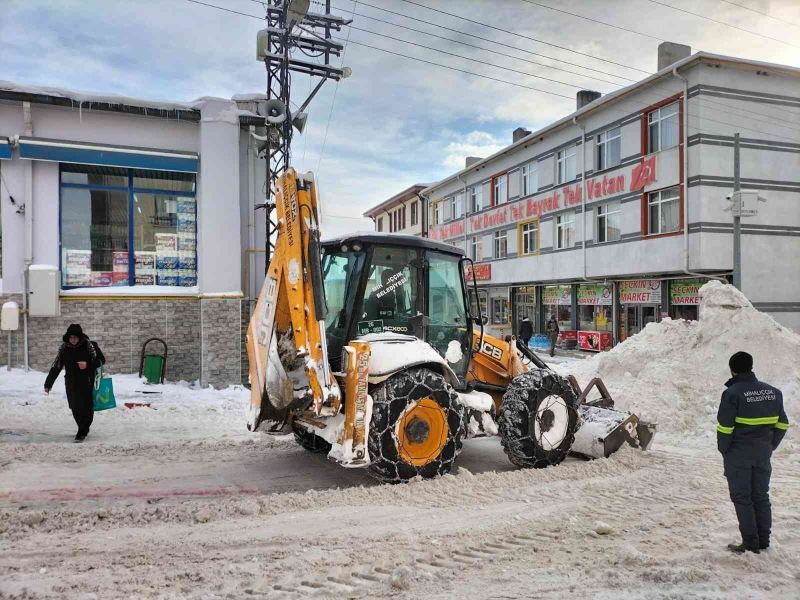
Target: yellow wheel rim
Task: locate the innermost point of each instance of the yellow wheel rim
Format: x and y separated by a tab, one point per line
422	432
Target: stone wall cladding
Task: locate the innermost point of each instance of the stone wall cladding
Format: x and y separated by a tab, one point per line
120	327
221	348
247	309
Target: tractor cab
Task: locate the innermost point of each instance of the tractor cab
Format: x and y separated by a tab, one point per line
402	284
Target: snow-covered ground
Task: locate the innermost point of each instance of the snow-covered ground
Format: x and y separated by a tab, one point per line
179	500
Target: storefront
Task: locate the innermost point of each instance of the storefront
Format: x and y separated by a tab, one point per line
500	314
684	298
557	300
524	305
640	304
595	317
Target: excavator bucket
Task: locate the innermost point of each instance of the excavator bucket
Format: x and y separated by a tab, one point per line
603	430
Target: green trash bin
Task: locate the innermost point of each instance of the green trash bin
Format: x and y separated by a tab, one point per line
153	366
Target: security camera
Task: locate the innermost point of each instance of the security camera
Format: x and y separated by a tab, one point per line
729	197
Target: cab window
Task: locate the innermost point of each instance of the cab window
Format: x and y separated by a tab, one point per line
390	295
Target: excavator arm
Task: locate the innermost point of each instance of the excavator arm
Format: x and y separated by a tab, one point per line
286	346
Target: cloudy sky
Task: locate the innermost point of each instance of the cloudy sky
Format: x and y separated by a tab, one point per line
396	121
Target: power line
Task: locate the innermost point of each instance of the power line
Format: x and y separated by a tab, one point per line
527	87
422	60
514	33
566	12
758	12
478	37
454	41
408	57
236	12
475	60
333	100
701	16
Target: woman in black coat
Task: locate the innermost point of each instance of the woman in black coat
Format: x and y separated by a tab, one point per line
80	358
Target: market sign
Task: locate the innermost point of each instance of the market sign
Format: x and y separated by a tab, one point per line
597	188
640	291
595	295
481	272
557	295
685	292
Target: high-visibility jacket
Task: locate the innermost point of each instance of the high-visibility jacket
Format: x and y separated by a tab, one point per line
751	419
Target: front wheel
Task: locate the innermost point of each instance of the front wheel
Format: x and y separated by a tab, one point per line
538	420
416	428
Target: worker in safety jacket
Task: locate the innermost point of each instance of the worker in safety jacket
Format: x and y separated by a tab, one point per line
751	423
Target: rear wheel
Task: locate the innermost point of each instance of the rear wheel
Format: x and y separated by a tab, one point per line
538	420
309	441
416	428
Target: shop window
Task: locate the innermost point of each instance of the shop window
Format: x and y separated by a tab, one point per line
608	219
607	149
565	230
663	128
500	189
566	164
476	198
122	227
530	178
557	300
499	311
663	211
380	224
414	208
478	305
500	244
529	237
475	248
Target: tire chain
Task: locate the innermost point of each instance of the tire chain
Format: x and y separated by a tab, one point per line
390	399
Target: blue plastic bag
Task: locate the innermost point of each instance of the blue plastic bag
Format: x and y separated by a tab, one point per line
103	392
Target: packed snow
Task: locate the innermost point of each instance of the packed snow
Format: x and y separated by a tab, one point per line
178	500
673	372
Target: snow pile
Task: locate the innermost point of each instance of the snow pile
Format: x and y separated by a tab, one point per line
673	372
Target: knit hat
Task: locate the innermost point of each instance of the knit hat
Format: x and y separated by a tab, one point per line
73	329
741	362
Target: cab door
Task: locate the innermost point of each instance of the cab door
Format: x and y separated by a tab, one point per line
448	329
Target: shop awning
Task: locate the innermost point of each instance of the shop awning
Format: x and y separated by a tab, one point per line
5	148
107	155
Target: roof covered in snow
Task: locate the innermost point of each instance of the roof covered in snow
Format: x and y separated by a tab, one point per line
188	111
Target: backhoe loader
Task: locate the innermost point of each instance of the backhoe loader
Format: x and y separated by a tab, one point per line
369	349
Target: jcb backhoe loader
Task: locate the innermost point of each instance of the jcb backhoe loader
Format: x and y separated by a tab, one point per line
368	347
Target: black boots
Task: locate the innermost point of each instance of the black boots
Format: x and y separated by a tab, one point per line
746	547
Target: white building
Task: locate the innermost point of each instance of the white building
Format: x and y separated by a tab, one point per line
147	211
405	212
612	216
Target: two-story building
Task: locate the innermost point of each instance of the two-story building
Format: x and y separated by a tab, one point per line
145	214
405	212
613	216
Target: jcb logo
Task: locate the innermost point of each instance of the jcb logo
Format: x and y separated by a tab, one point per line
493	351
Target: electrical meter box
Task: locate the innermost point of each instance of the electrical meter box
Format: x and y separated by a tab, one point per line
9	317
43	290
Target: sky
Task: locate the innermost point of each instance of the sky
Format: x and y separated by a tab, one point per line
395	121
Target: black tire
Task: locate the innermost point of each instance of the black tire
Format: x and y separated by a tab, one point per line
538	419
390	402
310	441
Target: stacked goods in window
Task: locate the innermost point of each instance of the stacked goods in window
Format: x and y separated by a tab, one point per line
187	242
77	268
166	259
145	267
119	274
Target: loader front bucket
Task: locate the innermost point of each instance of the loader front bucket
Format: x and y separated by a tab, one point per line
603	431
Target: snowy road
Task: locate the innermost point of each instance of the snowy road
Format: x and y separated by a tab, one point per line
178	501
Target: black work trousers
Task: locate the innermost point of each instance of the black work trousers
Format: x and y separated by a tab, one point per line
79	396
748	483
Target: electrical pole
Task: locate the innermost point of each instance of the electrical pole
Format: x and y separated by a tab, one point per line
287	20
737	216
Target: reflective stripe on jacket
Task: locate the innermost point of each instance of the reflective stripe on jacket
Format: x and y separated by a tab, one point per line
751	417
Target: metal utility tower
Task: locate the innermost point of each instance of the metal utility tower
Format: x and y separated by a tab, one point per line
292	28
